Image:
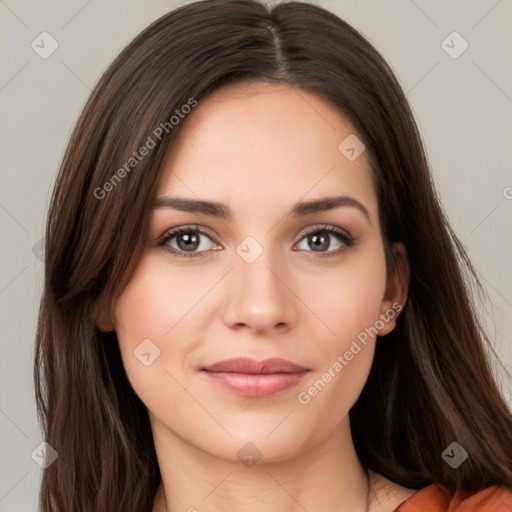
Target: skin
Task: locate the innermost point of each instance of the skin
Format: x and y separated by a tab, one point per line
258	149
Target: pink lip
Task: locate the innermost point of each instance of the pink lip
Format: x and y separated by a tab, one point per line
249	377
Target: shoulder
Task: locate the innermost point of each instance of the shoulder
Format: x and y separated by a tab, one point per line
436	498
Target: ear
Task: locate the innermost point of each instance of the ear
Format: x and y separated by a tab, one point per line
103	317
397	286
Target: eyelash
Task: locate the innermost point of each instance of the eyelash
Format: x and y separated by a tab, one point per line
347	240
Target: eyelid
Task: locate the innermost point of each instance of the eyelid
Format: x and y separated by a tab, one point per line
171	233
324	227
345	238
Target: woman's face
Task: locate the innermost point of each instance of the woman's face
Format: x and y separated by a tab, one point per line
266	281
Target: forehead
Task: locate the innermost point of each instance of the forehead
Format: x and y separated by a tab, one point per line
264	144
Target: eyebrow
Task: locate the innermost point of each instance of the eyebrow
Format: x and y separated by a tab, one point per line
221	211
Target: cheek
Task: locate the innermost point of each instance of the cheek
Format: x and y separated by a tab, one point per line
348	301
349	304
157	298
156	320
146	310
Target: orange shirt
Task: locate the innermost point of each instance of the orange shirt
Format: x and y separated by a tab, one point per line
436	498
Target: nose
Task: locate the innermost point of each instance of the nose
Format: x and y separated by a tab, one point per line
259	296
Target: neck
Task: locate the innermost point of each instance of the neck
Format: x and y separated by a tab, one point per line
328	477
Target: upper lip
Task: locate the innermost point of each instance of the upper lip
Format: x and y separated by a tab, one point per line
251	366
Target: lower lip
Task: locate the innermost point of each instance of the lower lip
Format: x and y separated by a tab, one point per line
256	385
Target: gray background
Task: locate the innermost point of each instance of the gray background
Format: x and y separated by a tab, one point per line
463	107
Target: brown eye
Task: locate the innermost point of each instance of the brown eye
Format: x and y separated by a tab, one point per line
320	240
186	241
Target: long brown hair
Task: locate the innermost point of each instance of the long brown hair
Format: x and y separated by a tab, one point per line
431	382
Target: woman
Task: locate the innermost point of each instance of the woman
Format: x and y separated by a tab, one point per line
253	300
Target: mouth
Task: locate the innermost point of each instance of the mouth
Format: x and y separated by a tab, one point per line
252	378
